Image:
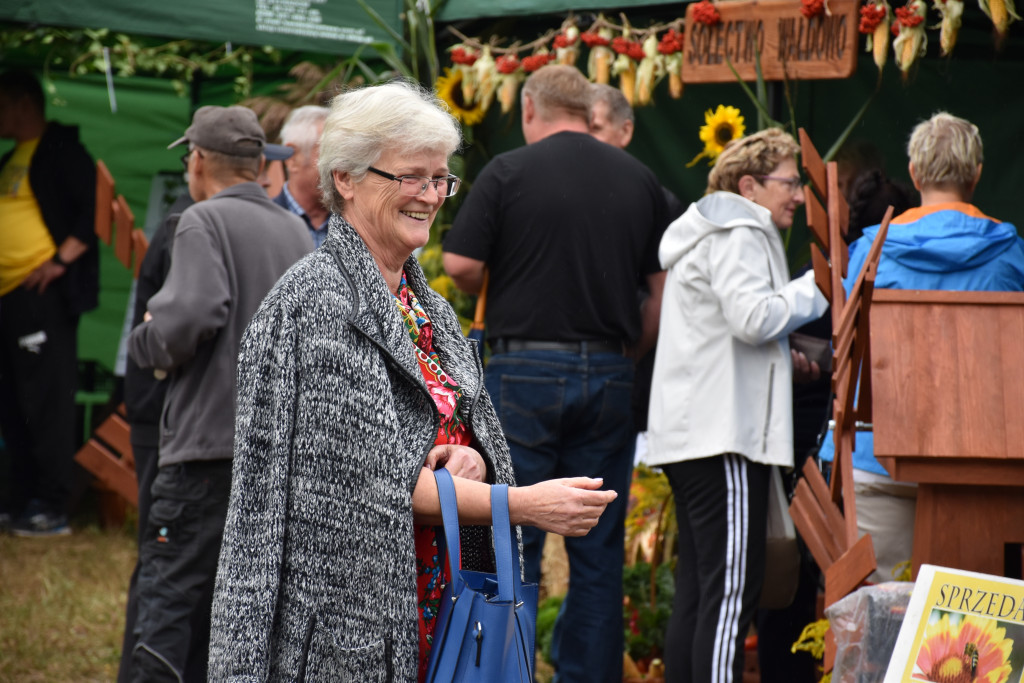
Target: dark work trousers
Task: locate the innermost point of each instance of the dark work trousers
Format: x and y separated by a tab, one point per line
145	449
38	378
178	565
721	506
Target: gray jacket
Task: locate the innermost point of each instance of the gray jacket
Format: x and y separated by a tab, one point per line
317	576
229	250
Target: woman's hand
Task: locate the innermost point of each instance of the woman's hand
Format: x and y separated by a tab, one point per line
461	461
569	507
804	370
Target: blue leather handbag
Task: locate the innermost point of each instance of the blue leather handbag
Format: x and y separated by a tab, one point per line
487	622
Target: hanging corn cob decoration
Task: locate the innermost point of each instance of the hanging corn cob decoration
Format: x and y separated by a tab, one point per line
567	45
600	59
510	75
486	78
463	58
1001	12
624	66
952	12
911	41
875	17
671	49
650	68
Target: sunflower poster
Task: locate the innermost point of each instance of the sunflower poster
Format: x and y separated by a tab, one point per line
961	627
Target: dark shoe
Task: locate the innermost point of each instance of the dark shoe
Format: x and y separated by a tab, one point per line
41	524
5	522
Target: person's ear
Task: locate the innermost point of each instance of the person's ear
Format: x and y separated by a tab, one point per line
913	176
746	186
343	184
627	133
529	111
977	177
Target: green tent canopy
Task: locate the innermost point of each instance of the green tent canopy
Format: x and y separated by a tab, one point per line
337	27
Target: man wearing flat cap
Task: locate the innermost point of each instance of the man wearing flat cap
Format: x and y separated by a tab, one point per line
229	250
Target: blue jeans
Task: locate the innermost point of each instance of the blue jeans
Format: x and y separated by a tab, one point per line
568	415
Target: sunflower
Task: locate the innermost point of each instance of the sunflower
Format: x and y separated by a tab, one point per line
720	127
964	648
449	89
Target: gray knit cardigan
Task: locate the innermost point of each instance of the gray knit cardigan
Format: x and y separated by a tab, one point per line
317	575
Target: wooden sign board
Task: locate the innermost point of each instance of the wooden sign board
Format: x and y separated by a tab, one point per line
790	45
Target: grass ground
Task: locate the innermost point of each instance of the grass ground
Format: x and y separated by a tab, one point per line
62	605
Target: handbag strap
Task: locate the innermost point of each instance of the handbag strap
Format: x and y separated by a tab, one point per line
450	516
506	549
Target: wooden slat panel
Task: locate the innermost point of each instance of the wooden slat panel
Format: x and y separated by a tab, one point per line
822	276
125	222
812	163
104	201
816	483
139	247
817	218
810	527
109	469
850	570
115	433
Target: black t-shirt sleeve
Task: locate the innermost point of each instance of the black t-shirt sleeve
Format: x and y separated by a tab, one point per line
477	224
661	216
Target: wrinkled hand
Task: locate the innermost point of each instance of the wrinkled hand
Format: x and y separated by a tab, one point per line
569	507
804	370
40	278
461	461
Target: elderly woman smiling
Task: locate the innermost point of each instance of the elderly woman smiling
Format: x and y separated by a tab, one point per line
354	383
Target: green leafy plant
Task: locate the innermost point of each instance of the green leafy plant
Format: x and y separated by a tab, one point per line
647	605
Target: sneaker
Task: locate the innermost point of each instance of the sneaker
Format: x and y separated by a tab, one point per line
41	524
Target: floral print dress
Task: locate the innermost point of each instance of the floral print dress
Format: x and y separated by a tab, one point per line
432	572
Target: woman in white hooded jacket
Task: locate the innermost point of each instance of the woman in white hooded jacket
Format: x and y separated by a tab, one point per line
721	398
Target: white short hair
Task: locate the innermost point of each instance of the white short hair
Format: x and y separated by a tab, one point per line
946	151
301	128
366	122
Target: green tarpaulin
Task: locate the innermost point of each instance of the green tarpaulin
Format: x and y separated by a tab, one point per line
453	10
333	26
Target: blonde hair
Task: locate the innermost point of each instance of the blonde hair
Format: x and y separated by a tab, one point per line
366	122
946	151
757	155
559	90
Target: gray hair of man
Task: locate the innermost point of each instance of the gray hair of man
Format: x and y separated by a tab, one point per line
558	90
300	129
619	109
366	122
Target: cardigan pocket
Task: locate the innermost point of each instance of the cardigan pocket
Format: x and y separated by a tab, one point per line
324	660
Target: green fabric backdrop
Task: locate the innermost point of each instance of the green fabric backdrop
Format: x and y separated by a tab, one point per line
313	25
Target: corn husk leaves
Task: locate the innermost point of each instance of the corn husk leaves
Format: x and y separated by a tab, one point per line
1001	12
875	19
952	12
911	42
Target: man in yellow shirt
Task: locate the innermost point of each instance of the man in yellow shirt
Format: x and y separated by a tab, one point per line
49	276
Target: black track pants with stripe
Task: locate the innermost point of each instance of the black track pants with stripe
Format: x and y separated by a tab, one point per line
721	505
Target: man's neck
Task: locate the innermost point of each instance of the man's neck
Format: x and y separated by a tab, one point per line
543	129
310	203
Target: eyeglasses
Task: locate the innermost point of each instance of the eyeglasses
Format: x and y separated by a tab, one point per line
186	155
415	185
794	184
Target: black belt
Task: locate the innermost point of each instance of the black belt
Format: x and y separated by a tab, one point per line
506	345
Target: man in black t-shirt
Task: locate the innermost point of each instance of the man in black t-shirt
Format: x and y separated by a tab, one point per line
566	226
